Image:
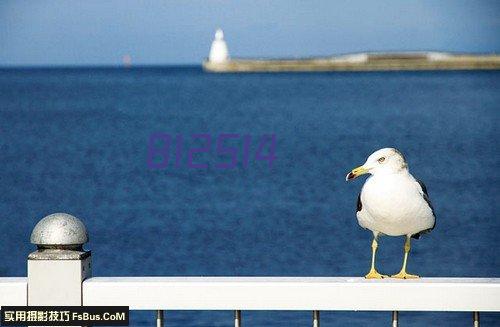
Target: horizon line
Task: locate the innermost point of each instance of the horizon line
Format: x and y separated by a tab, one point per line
76	66
118	65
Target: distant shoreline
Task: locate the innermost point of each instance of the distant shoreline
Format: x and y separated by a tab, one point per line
415	61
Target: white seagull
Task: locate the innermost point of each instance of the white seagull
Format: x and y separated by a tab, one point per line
392	202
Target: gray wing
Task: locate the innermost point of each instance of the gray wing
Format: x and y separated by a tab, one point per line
425	195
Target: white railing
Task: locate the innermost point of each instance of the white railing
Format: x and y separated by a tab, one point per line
59	273
294	293
279	293
13	291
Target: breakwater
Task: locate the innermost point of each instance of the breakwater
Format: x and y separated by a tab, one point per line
360	62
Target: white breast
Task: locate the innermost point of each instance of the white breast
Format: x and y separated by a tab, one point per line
394	205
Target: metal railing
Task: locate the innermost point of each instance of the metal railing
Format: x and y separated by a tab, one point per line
279	293
59	274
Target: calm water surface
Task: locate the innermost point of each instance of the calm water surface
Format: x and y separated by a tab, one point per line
76	141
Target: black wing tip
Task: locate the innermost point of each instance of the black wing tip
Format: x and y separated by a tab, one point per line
425	231
359	205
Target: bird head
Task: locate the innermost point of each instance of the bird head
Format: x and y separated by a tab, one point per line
383	161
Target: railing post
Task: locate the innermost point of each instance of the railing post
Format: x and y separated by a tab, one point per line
475	318
58	267
159	318
395	319
237	318
315	318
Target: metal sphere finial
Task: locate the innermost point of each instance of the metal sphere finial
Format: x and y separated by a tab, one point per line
59	231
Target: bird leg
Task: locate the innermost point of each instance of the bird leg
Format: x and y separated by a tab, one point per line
373	273
403	274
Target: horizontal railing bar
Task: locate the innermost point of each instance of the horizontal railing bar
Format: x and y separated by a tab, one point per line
294	293
13	291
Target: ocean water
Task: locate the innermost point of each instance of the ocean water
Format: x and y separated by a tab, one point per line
77	141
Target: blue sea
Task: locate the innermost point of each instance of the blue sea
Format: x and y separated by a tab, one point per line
78	140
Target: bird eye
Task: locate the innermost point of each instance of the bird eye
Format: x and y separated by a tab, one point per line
381	159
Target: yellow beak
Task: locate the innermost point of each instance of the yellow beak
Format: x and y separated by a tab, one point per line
358	171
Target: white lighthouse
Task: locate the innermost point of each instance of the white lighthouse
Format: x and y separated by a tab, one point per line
218	50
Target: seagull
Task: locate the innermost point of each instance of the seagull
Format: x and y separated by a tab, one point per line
392	202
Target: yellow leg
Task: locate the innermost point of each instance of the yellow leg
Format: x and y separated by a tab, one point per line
373	273
403	274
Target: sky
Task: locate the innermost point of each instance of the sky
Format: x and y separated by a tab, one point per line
69	32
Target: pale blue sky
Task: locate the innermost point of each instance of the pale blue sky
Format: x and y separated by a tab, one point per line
68	32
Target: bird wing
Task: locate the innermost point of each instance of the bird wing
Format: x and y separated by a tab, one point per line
425	195
361	214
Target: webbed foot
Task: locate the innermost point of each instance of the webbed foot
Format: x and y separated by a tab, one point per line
373	274
404	275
